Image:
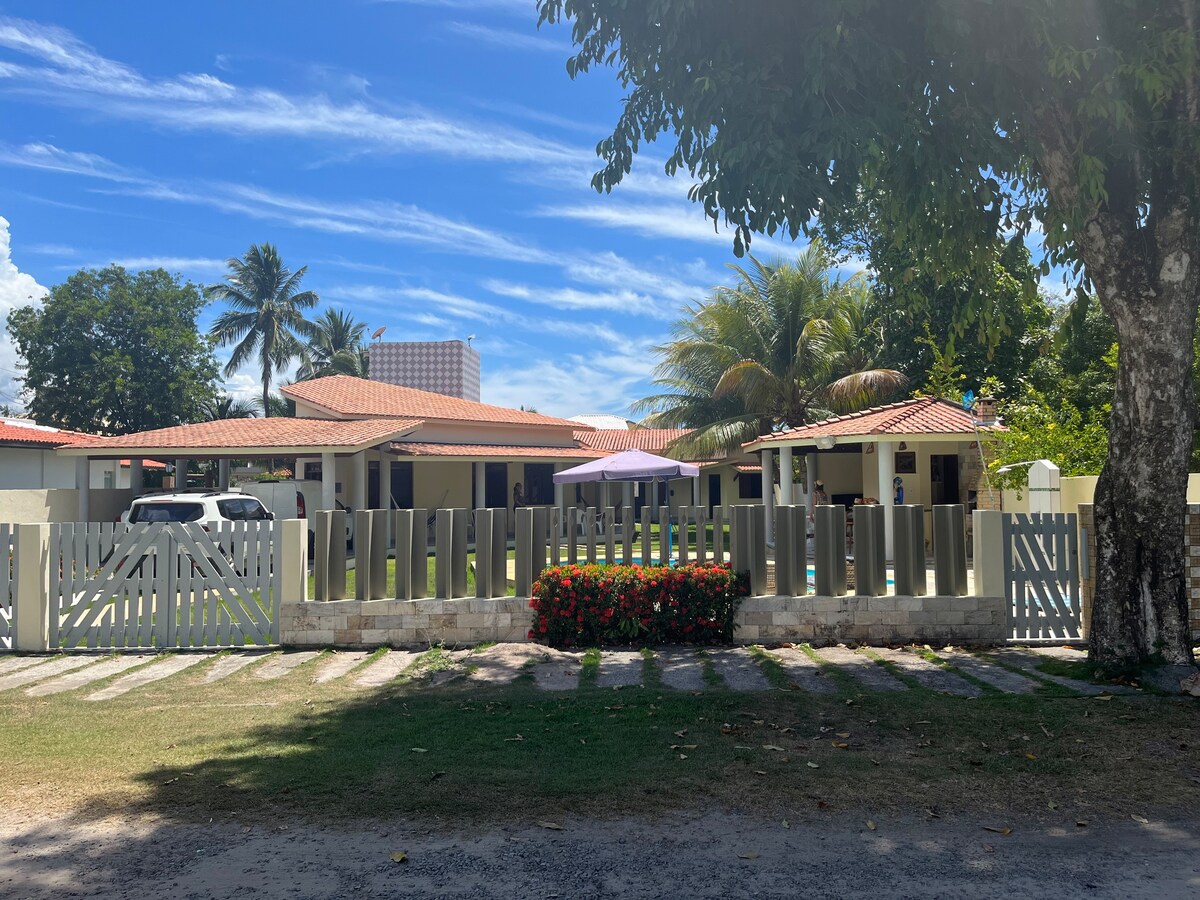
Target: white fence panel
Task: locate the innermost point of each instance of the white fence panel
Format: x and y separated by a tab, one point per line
6	586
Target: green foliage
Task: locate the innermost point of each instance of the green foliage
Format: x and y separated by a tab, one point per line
265	320
226	407
335	347
592	605
944	378
1075	442
785	345
113	352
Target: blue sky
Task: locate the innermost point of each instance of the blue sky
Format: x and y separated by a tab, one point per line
429	161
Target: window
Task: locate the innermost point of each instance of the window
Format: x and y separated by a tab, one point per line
255	511
539	484
165	512
749	486
312	471
234	510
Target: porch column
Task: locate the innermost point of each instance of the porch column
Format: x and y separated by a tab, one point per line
558	503
768	492
181	467
136	482
887	471
328	481
627	499
695	490
360	480
785	476
480	485
810	471
223	474
83	484
385	491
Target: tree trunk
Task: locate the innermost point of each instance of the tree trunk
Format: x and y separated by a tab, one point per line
1140	609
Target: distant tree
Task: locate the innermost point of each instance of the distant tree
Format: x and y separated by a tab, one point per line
335	347
265	321
278	406
1075	120
114	352
784	346
226	407
1036	429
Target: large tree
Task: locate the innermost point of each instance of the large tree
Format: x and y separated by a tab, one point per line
265	321
114	352
1076	120
784	345
335	347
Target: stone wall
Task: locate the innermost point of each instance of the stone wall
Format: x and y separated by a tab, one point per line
821	620
872	620
1087	584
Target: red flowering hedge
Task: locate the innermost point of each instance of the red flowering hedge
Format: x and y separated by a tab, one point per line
593	605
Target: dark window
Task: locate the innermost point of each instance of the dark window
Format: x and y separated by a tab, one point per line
943	478
165	512
234	510
749	486
539	484
714	491
402	485
495	485
312	471
255	511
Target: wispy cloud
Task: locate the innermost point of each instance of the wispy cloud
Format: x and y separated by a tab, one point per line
51	250
186	265
508	38
16	289
68	72
648	220
571	383
564	298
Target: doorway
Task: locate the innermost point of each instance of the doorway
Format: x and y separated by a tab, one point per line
943	478
495	485
714	491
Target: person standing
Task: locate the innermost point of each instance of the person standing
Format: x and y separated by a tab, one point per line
898	489
518	495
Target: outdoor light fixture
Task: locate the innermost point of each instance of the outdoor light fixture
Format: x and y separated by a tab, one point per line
826	443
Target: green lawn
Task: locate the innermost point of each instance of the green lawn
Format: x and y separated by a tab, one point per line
470	753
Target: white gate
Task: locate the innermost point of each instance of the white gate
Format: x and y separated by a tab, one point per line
164	585
1041	575
7	582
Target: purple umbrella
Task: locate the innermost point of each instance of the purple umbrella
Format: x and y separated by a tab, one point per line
628	465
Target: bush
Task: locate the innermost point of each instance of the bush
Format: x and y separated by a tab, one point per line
591	605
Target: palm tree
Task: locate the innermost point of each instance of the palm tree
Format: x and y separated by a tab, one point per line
786	345
335	348
226	407
266	319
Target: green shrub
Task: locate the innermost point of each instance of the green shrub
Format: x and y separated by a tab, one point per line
593	605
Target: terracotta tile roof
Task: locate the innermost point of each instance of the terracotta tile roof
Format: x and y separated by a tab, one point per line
652	440
349	396
264	434
146	464
41	435
499	451
923	415
746	468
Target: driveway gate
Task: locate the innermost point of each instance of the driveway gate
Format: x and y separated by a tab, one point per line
1041	575
164	585
7	582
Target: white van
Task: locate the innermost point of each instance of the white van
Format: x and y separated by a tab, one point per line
293	500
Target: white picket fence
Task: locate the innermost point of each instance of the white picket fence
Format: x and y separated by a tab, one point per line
164	585
1041	566
6	587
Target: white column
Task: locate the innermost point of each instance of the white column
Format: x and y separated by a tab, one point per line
627	497
328	481
480	485
83	484
558	503
887	470
768	492
785	476
385	488
223	474
181	467
695	490
810	468
360	480
135	477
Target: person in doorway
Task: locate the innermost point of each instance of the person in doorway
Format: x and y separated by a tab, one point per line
518	495
898	489
820	498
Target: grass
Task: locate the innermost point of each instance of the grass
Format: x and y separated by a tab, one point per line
259	751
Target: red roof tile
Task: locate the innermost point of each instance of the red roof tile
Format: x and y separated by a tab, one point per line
652	440
923	415
41	435
263	434
500	451
349	396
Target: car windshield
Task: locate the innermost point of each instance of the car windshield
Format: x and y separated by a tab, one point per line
165	512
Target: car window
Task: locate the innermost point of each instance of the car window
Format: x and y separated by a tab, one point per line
232	509
142	513
255	511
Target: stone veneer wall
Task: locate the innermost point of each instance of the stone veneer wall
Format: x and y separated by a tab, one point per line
1191	532
821	620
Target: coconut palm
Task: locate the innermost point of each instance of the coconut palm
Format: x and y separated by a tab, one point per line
265	320
784	346
226	407
335	348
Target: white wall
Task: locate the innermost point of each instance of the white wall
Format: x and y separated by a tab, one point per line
30	468
37	506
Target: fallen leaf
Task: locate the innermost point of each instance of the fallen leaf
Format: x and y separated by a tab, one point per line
170	781
519	737
988	848
1141	820
419	750
759	772
843	734
821	804
841	745
1006	831
773	747
870	824
1052	805
1103	697
683	756
1081	823
813	765
931	813
681	732
747	856
553	826
787	824
399	857
1030	756
741	747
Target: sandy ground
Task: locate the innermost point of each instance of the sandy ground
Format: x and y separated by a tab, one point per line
683	855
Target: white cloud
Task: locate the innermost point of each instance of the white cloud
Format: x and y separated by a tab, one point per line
624	301
507	38
665	281
16	289
567	384
655	221
175	264
70	73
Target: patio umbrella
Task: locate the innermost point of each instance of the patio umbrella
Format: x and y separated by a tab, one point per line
628	465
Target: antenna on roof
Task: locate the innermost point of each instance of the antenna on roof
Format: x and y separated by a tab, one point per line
379	332
470	337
